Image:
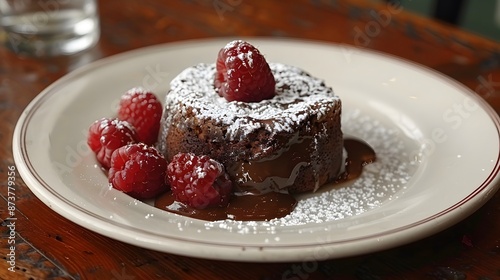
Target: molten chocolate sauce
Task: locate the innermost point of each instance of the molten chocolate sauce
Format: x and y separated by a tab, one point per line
240	208
270	205
359	154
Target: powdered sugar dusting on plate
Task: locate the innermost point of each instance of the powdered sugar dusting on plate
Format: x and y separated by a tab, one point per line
379	183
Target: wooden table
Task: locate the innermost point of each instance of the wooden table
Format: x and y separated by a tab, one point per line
51	247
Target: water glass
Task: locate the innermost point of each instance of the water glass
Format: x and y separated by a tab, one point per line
48	27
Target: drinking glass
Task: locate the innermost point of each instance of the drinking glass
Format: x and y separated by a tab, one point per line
49	27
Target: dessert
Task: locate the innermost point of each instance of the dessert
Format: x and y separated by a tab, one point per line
290	142
236	139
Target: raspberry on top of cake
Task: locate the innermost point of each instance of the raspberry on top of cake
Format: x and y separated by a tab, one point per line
273	126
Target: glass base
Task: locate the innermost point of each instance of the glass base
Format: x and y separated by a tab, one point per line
56	37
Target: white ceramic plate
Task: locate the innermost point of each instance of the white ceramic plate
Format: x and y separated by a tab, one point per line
437	145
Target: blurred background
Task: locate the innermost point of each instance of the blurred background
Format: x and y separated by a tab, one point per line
478	16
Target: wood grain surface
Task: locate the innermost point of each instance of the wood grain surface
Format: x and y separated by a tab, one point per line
49	246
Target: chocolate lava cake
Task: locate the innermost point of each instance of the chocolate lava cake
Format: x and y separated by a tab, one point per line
291	143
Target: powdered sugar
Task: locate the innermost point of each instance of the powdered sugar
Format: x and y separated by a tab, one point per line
247	57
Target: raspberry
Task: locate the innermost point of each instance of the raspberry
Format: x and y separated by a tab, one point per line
138	170
243	73
107	135
143	110
199	181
